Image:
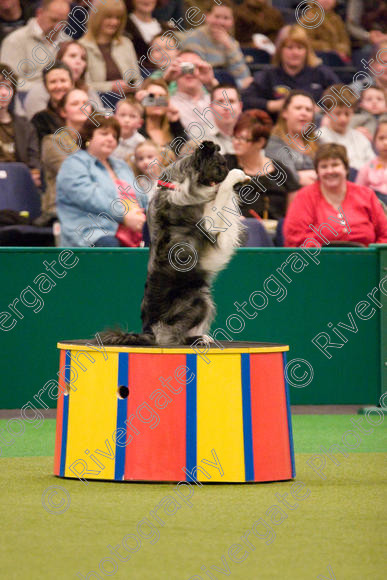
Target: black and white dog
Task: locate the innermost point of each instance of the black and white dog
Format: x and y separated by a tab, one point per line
177	307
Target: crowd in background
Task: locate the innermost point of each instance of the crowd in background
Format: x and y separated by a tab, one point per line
98	97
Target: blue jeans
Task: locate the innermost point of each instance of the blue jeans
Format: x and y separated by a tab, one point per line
107	242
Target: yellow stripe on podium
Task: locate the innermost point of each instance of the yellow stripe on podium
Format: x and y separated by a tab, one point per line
219	417
93	417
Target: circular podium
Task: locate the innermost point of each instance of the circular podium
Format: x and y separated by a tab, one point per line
172	414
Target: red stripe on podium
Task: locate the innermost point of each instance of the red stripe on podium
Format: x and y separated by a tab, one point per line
271	448
158	451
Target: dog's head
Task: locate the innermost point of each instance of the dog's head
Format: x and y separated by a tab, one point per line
210	165
201	172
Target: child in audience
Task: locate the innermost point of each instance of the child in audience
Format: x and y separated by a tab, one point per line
336	125
374	174
129	114
372	105
148	164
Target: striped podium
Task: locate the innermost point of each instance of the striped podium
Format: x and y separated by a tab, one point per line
152	414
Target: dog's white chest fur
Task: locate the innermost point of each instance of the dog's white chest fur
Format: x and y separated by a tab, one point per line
218	255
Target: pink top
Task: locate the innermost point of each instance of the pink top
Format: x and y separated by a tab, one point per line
374	175
363	221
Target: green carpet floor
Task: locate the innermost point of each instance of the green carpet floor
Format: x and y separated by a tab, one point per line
336	532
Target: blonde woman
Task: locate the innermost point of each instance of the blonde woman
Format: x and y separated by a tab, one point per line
287	143
110	54
295	66
161	120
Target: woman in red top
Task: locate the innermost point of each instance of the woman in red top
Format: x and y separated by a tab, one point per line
333	209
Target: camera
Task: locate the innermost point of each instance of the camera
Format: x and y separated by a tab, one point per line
152	101
187	68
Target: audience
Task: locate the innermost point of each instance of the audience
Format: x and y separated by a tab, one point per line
366	22
330	36
162	119
109	53
92	187
18	138
75	56
57	147
257	17
58	80
20	45
372	105
194	78
214	43
349	212
374	173
142	27
295	66
148	165
129	114
288	142
336	126
272	186
226	107
13	15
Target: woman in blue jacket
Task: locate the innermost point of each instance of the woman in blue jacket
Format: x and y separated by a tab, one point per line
96	202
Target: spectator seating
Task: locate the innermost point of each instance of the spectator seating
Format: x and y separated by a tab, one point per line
18	192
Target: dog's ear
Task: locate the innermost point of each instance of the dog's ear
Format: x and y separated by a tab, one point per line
207	150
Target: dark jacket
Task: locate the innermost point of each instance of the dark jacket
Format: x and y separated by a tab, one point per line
274	83
26	142
46	122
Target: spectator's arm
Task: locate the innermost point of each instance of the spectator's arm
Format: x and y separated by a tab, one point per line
257	95
237	66
32	146
353	18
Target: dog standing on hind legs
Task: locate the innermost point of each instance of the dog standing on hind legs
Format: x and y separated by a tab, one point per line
177	307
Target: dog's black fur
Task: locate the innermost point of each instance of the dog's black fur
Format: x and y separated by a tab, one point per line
177	306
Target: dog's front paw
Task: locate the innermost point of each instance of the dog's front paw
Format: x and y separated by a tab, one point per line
236	176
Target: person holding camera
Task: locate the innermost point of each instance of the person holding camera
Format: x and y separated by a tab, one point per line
194	80
161	119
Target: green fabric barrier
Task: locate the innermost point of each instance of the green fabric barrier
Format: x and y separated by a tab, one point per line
105	288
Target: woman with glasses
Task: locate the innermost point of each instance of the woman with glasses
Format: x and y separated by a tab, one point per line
272	185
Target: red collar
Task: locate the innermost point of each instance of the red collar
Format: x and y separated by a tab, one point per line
166	184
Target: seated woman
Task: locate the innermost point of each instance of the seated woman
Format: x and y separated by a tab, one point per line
57	147
334	209
109	53
58	80
295	66
287	143
96	203
18	138
75	56
272	185
161	122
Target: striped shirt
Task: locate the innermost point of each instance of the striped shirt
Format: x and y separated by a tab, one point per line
217	55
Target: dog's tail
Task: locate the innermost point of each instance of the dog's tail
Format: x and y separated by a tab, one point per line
119	337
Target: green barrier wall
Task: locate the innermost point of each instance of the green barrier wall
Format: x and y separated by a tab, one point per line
105	287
